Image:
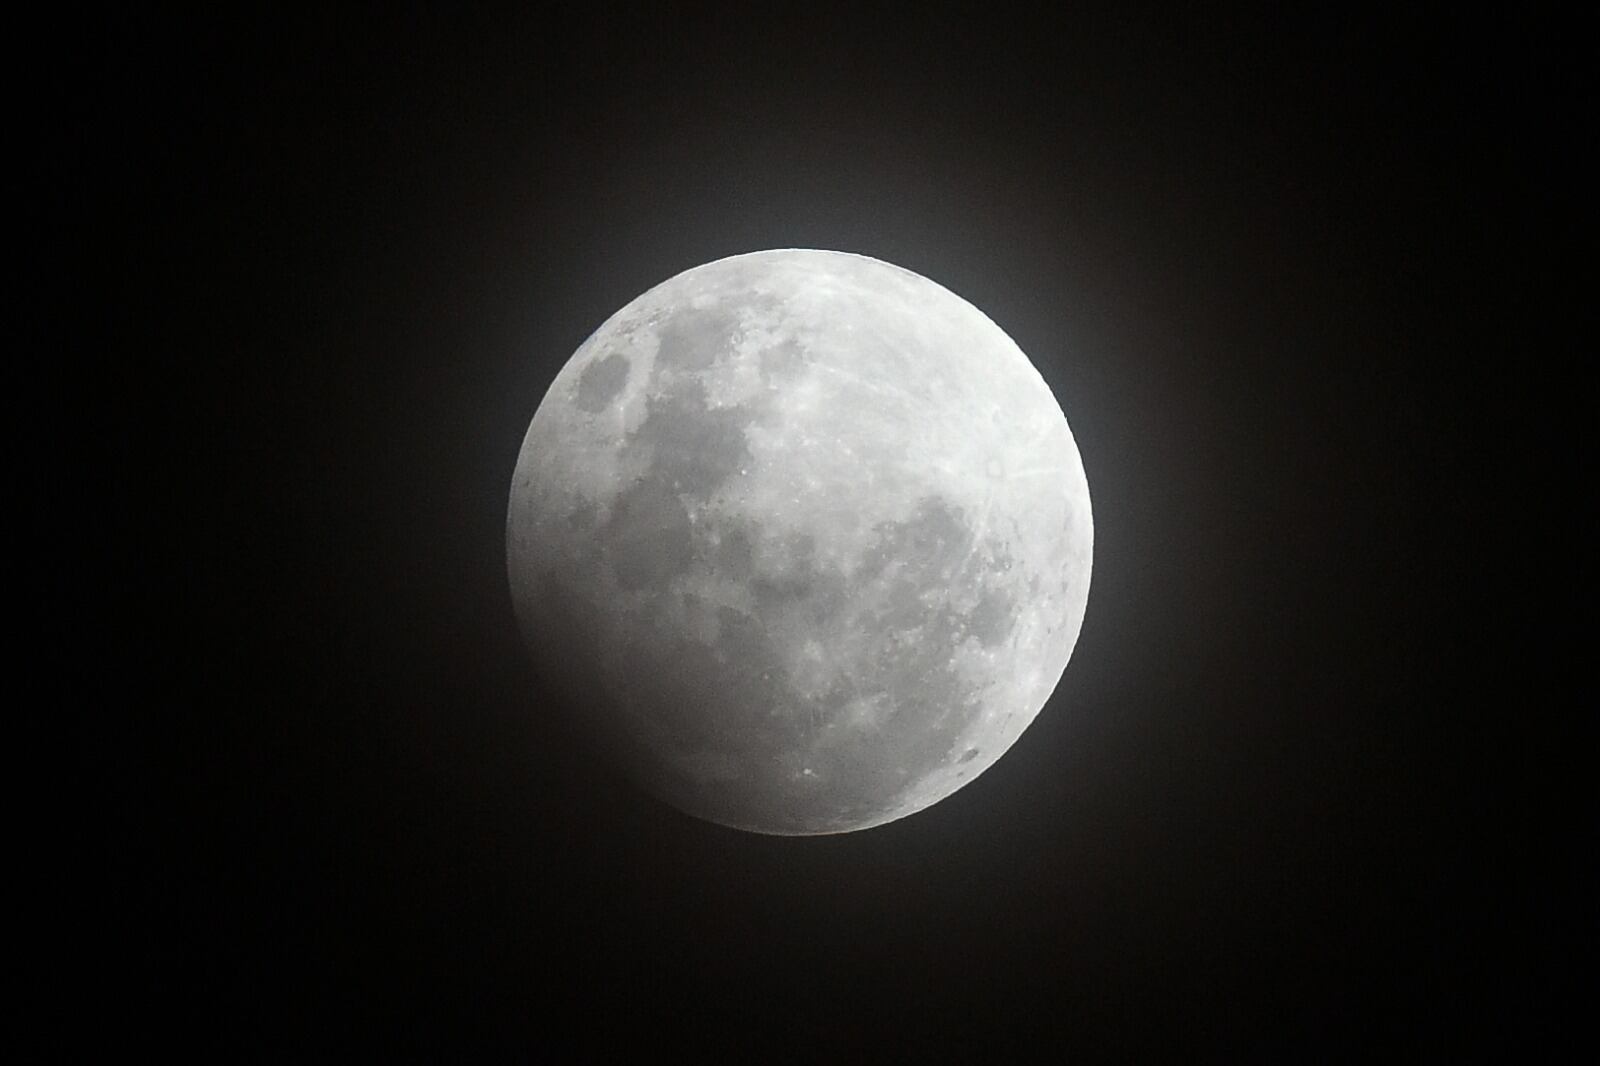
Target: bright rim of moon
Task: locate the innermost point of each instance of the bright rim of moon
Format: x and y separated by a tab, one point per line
811	535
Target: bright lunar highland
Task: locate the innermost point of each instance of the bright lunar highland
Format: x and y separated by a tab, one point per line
808	534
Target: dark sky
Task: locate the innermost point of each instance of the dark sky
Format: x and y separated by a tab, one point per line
1293	797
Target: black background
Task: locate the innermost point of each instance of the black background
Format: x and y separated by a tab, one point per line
1298	792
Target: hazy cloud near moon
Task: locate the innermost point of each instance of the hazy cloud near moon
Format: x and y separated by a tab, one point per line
812	533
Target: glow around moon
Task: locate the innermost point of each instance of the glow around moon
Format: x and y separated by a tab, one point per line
809	533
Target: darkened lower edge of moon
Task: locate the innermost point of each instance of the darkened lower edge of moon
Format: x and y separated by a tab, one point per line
722	731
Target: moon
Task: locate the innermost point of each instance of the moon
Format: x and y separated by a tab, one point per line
810	535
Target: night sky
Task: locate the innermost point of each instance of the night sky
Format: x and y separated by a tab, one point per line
1296	795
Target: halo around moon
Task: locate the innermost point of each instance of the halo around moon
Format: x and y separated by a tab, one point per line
809	533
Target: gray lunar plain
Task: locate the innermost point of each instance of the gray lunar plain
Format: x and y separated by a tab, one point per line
809	534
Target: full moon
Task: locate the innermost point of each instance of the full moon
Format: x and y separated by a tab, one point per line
810	536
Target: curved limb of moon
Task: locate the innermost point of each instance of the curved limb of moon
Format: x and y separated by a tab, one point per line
813	596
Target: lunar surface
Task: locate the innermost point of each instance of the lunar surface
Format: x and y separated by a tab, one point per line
809	535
